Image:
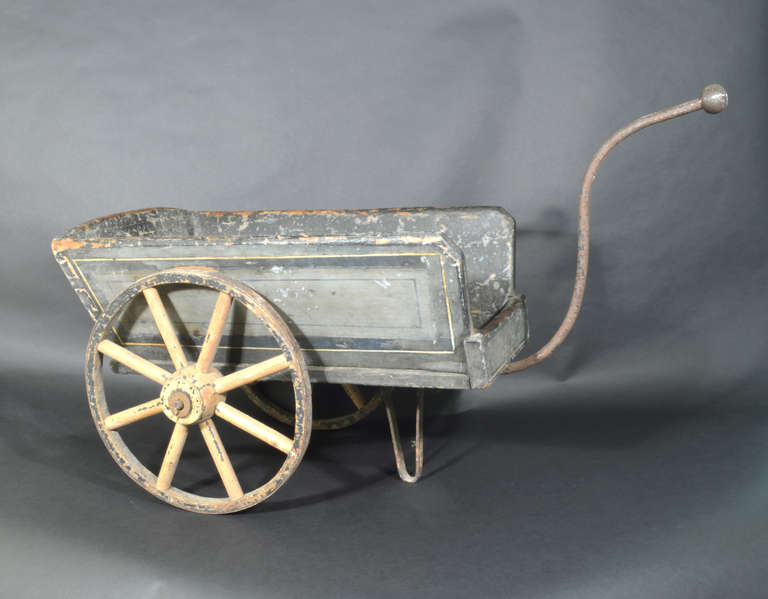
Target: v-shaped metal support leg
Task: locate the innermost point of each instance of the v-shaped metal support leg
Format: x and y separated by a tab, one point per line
418	442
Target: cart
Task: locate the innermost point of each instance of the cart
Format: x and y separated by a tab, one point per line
203	303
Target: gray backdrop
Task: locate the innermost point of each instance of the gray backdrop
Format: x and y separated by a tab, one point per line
634	463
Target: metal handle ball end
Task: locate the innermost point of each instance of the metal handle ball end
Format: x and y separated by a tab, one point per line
714	98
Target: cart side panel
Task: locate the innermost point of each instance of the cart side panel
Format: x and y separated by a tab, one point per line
353	303
485	235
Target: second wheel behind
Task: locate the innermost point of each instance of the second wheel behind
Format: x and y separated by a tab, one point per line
358	402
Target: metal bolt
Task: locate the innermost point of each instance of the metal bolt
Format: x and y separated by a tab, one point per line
179	404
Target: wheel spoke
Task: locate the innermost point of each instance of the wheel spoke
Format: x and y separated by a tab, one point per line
215	329
354	393
172	455
165	327
221	459
134	414
253	427
133	361
251	374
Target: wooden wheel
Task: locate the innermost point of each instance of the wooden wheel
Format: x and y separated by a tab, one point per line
363	407
193	394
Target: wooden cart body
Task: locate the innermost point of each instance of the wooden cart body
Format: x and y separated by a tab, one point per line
408	298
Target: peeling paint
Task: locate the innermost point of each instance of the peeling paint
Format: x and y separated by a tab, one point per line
60	245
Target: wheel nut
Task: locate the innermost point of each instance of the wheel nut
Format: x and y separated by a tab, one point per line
180	404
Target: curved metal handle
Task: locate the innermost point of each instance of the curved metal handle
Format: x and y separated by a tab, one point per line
713	99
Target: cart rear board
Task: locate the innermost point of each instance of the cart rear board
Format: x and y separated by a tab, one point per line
420	298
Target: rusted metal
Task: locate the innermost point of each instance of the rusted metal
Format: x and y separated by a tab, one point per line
180	404
713	99
418	440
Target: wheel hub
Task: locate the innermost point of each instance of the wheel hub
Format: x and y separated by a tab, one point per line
188	396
